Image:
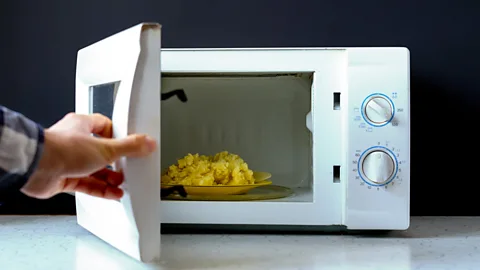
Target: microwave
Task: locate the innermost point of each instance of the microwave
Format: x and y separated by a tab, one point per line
330	125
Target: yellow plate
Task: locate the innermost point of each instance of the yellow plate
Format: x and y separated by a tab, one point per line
260	180
269	192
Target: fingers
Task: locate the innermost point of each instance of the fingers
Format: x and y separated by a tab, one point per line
111	177
135	145
100	125
103	184
94	187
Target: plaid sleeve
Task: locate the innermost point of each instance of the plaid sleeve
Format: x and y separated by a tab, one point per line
21	145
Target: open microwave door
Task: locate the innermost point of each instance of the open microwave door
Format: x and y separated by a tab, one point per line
119	77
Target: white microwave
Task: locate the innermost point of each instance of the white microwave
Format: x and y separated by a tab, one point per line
331	126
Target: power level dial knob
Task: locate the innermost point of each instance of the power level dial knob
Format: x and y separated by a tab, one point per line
378	167
378	110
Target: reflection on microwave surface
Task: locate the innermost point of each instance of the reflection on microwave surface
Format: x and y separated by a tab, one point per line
223	168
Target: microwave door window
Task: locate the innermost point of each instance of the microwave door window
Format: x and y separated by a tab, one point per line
102	98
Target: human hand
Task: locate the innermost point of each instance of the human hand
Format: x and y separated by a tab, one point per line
73	160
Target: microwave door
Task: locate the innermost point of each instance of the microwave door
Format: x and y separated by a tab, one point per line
119	77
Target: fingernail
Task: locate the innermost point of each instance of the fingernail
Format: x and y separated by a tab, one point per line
150	143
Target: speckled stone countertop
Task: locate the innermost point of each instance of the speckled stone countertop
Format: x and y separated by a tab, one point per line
57	242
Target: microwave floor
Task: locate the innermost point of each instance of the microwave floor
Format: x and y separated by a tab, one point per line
269	192
264	193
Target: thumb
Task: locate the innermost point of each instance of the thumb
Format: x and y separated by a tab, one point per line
136	145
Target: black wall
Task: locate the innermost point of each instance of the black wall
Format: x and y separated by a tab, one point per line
39	41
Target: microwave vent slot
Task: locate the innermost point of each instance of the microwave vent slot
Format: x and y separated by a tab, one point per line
336	101
336	173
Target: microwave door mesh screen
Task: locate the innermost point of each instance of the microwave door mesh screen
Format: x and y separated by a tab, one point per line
102	98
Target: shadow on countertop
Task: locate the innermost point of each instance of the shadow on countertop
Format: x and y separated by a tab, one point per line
420	227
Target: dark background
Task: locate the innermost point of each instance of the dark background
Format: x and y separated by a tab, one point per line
39	41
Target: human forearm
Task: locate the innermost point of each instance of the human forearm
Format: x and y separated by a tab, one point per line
21	145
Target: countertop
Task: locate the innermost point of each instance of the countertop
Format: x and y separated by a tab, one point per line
57	242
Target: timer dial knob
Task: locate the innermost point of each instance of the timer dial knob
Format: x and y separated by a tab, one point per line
378	167
378	110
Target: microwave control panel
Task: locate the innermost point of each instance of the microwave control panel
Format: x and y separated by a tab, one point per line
378	185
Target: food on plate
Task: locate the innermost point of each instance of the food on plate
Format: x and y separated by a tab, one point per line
222	169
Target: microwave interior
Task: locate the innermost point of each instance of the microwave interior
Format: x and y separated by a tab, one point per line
260	117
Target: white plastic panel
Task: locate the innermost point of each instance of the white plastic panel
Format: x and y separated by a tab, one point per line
130	63
382	72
